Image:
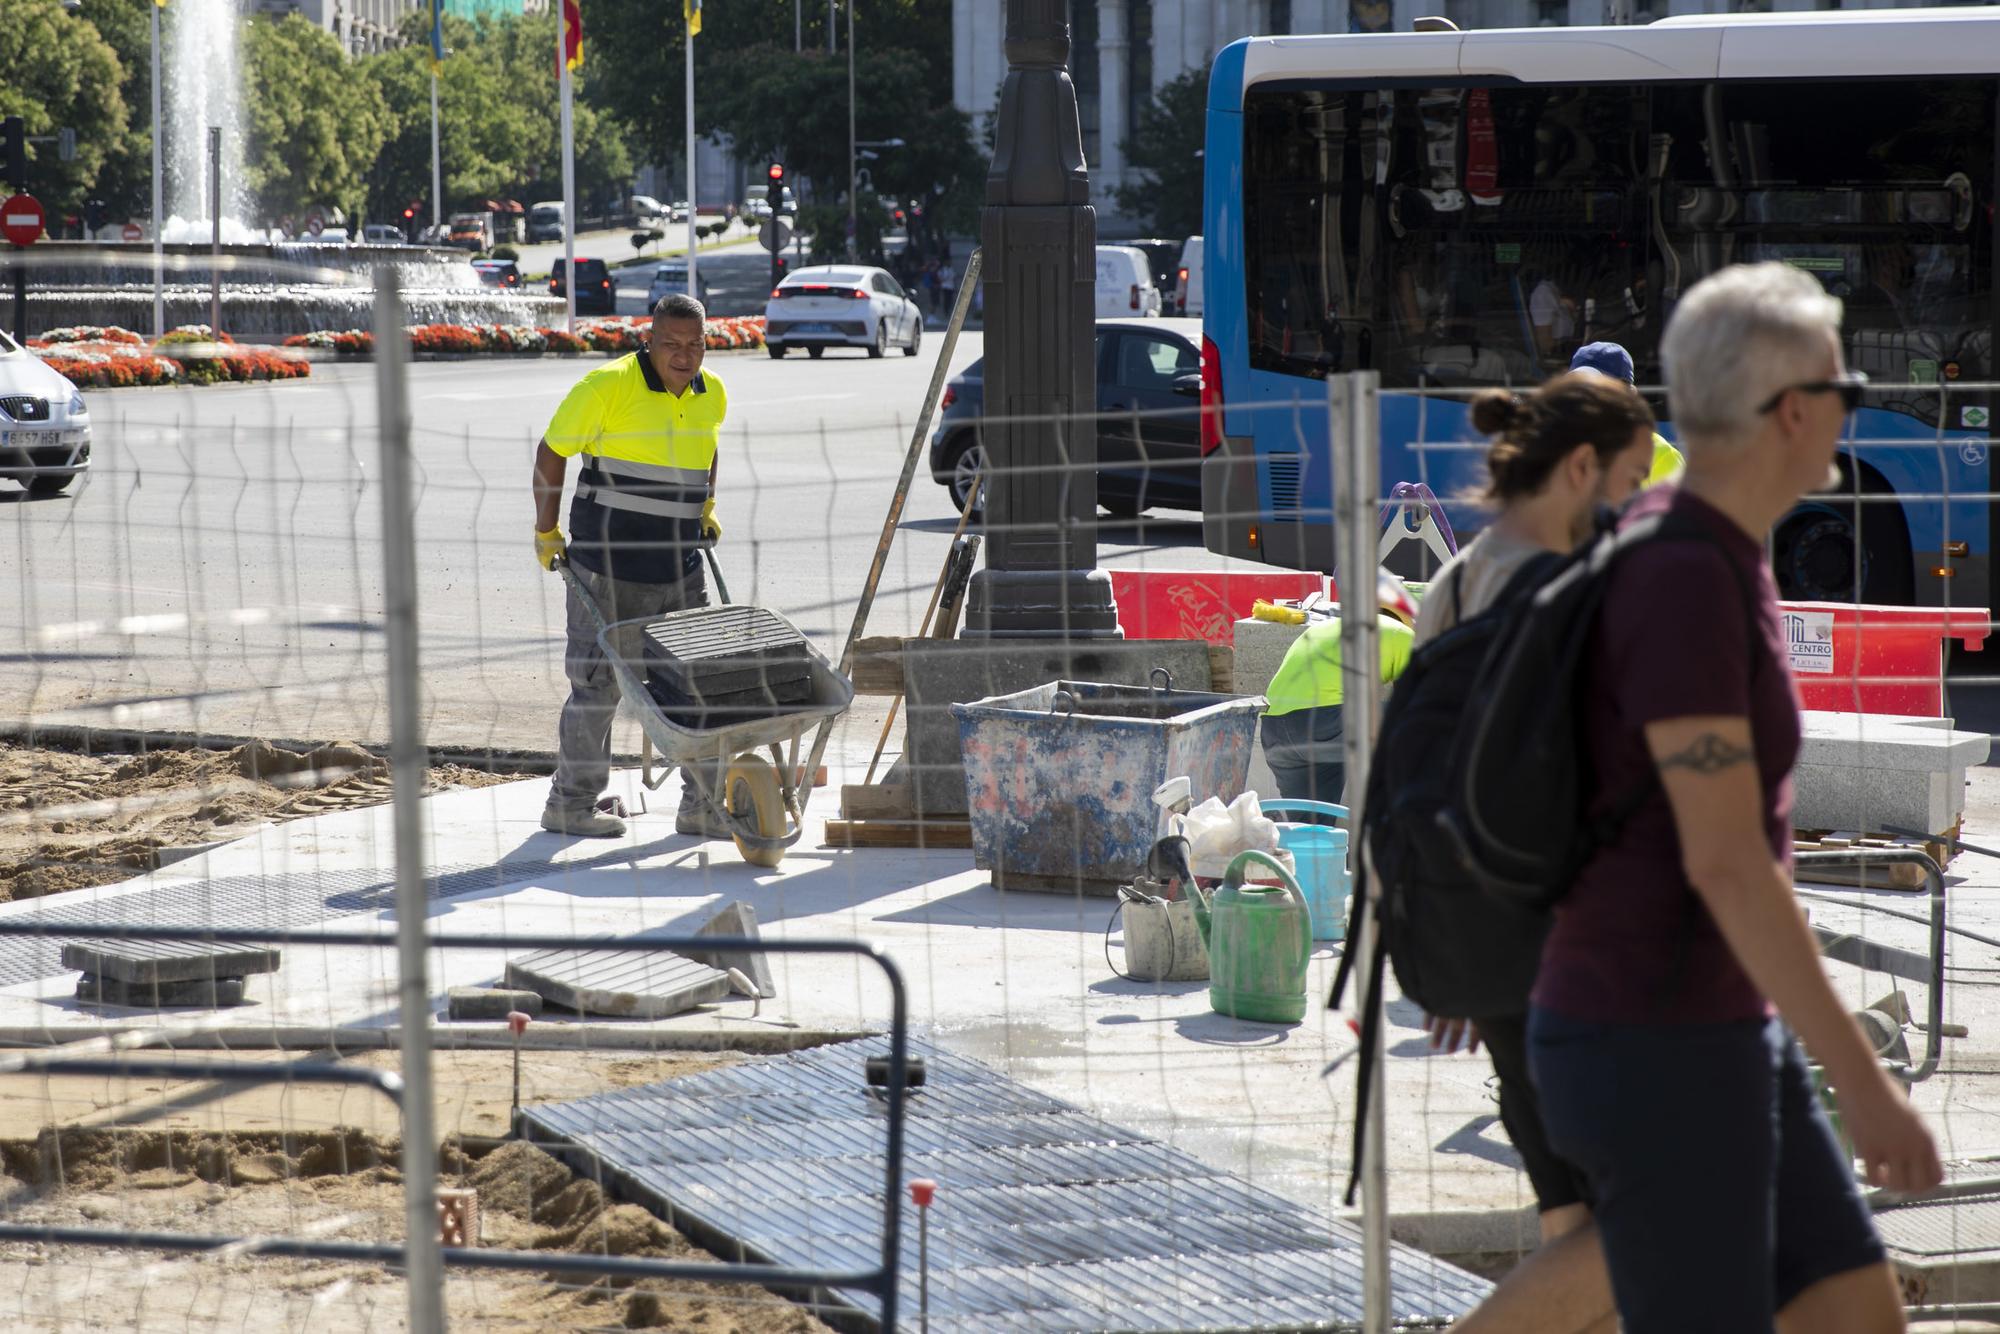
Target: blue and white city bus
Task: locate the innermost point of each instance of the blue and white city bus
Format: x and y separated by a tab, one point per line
1459	210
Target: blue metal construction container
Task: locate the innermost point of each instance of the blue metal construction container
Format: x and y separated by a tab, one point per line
1059	779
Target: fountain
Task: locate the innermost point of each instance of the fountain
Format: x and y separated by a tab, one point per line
271	288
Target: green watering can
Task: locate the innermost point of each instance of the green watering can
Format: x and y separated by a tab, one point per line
1259	940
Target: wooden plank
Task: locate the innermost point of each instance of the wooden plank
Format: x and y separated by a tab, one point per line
878	665
898	834
1222	669
876	801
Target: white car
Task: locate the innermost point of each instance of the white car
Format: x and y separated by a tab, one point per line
1187	301
671	279
1125	284
645	206
677	211
44	425
382	233
841	305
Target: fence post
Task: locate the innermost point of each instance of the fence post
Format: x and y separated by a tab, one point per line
407	759
1351	416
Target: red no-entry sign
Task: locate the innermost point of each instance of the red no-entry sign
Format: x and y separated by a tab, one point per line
21	220
132	231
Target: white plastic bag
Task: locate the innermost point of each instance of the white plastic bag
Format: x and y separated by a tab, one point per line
1216	833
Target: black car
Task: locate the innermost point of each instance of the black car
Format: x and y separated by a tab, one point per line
1148	420
1164	259
595	294
498	272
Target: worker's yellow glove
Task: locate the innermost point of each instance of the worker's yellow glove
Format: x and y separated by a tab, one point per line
548	546
711	527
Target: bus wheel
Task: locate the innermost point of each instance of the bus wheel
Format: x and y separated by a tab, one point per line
1841	551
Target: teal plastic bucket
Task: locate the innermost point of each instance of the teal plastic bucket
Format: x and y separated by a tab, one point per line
1320	852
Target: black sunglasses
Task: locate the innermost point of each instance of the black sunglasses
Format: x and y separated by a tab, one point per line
1850	387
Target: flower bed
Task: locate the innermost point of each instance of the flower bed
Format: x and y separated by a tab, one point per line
614	334
113	358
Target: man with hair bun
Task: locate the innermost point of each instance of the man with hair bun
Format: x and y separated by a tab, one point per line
1559	455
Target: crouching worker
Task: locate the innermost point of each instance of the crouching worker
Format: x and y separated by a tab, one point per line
1303	740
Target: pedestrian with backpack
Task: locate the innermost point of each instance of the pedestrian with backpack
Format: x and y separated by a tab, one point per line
1721	1196
1561	454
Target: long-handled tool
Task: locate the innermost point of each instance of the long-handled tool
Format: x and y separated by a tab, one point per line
960	308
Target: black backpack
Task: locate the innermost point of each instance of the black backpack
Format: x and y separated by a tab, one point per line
1474	817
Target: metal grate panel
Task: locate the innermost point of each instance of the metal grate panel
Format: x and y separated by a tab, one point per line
1943	1228
1283	470
1047	1218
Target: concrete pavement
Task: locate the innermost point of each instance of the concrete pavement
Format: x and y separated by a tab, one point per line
1017	980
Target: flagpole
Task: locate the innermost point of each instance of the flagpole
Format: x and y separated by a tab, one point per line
693	288
437	160
159	221
569	175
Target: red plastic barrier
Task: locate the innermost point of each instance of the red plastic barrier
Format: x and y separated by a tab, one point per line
1201	604
1870	659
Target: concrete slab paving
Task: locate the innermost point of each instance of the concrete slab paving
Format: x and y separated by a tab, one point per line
1017	980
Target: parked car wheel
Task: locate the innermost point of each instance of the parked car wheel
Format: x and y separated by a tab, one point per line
815	352
916	339
777	351
49	486
1121	507
968	461
880	347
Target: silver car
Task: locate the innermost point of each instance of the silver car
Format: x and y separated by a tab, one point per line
841	305
44	424
672	278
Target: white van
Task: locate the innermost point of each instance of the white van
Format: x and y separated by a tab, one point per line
1125	284
1187	299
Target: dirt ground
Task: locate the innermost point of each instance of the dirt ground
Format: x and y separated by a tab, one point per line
70	821
331	1188
146	1156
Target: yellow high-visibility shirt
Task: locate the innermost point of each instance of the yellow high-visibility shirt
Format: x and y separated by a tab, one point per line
1309	677
646	458
1668	465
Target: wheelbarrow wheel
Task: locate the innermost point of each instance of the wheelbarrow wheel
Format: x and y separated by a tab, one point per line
754	793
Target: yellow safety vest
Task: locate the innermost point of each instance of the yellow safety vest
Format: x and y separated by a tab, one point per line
1309	677
646	458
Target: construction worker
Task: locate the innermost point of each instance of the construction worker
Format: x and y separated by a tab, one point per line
646	426
1304	742
1613	362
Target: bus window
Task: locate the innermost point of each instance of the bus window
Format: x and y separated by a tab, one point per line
1880	192
1446	236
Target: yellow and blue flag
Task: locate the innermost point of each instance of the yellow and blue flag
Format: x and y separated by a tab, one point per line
691	11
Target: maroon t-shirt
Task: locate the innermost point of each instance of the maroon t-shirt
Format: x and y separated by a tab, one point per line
1632	943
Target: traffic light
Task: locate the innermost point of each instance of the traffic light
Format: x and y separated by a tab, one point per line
775	197
14	137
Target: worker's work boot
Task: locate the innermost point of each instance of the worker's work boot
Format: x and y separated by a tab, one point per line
697	819
581	824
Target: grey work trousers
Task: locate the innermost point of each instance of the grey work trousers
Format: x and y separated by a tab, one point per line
583	742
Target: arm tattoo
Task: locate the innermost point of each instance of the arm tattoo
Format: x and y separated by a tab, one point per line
1709	754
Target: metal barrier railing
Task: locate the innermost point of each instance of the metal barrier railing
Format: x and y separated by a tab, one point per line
879	1281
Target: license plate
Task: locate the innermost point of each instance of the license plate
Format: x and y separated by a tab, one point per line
811	327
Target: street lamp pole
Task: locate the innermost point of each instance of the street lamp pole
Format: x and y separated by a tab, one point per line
853	212
1039	235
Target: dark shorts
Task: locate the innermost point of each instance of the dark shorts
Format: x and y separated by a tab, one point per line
1719	1189
1555	1182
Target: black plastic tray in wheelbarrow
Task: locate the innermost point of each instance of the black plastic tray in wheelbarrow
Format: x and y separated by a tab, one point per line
716	651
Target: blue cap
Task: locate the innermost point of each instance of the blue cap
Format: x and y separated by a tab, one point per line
1607	359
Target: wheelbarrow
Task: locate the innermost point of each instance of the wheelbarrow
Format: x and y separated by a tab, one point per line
761	802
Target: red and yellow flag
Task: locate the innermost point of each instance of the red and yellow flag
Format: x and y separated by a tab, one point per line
572	18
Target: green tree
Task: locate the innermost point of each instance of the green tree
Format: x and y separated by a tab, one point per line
498	117
312	129
61	72
125	182
1165	151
